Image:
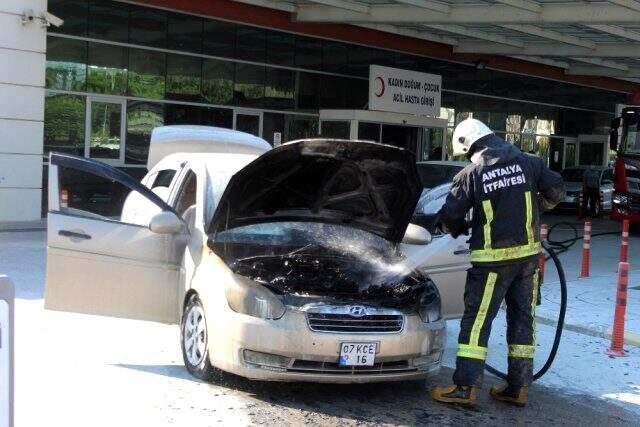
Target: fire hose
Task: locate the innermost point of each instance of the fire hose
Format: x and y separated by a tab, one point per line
554	248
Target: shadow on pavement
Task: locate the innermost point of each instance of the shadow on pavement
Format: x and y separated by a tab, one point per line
405	403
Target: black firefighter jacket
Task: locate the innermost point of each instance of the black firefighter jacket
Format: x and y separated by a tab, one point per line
506	189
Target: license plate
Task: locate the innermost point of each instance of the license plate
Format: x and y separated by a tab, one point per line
357	353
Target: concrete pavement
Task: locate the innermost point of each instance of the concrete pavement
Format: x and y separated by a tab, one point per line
591	301
76	370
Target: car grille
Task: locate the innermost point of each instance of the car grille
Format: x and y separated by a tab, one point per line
347	324
306	366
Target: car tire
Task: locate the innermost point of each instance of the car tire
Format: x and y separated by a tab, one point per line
194	340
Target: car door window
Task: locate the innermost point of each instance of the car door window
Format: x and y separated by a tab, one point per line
91	189
187	196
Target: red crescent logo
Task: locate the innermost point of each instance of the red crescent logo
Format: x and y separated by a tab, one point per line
379	94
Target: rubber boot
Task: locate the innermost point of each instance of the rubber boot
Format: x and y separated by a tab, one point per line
513	395
462	395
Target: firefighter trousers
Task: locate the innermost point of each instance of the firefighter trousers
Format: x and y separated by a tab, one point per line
485	289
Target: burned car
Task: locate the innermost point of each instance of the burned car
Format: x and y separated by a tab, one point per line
286	265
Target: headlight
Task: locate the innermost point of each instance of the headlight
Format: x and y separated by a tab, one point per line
247	297
620	199
430	304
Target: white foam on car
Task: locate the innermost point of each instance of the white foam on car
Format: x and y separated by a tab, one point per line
166	140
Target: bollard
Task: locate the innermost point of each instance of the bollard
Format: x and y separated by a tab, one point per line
6	352
617	337
586	250
544	231
624	245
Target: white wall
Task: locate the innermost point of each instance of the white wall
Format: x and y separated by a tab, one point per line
22	68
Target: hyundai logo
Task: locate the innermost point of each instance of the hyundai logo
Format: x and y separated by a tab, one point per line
357	311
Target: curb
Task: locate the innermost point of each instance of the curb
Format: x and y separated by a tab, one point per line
630	337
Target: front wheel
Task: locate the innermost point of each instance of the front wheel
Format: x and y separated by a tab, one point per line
194	340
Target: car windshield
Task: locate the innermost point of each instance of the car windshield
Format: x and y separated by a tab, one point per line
281	238
432	175
573	175
631	139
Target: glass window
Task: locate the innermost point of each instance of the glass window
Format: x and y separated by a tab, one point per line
308	53
74	13
219	38
107	69
184	76
220	117
64	123
163	178
570	155
184	32
109	21
178	114
279	92
308	91
335	57
146	73
591	153
248	122
148	26
358	94
251	44
66	64
334	92
335	129
300	127
272	123
249	85
142	117
90	195
105	136
217	81
369	131
281	48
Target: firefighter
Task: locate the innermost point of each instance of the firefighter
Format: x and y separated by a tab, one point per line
505	189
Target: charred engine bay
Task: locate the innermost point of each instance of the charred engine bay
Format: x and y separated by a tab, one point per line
336	277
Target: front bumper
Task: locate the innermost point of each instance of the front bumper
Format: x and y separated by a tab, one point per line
411	354
626	206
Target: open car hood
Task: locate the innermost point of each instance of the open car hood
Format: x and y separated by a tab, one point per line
366	185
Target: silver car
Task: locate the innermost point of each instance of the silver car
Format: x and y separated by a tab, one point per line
290	264
573	181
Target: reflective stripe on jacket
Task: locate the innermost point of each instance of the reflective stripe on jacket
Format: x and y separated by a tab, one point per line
503	186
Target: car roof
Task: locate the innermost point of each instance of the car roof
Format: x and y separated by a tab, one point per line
167	140
221	161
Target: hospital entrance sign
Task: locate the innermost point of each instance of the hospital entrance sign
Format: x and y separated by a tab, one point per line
404	91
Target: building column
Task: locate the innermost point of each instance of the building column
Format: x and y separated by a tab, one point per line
22	71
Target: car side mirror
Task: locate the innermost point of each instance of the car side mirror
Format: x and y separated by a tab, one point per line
165	223
416	235
613	134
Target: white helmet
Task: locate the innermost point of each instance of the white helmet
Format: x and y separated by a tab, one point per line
466	134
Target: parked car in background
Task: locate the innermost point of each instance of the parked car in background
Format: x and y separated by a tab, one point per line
573	180
433	173
287	264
